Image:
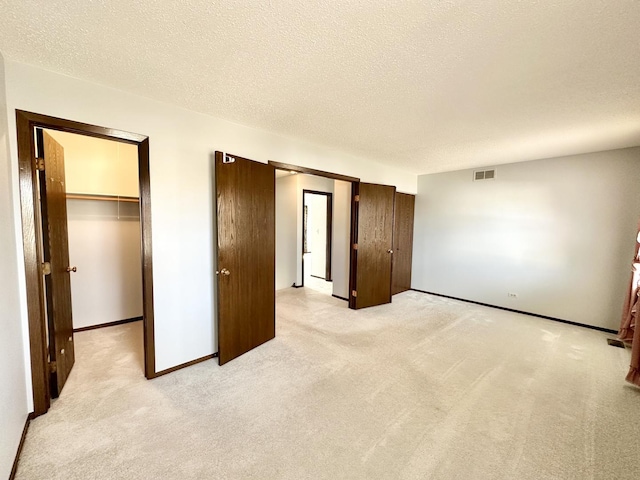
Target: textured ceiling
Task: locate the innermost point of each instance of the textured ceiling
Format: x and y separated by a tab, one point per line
424	85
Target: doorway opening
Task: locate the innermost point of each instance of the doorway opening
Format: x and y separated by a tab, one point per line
313	231
101	188
259	245
63	219
317	232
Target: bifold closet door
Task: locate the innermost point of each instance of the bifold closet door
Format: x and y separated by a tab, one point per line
373	247
245	203
402	242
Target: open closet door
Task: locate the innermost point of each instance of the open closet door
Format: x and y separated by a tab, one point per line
245	203
373	254
55	239
402	242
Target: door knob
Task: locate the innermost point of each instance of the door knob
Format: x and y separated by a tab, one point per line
224	271
72	269
389	251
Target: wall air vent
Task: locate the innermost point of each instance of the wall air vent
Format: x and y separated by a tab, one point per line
484	174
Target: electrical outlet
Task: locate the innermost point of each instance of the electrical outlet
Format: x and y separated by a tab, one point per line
512	295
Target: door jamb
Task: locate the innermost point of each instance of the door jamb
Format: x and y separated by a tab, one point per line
312	171
26	122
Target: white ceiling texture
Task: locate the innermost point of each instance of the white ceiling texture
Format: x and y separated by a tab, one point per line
426	86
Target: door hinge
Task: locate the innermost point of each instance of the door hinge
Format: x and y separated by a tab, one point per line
46	268
53	367
356	198
354	293
39	164
355	246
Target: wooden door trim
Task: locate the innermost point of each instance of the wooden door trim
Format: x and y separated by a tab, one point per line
26	122
329	252
329	241
353	257
393	241
312	171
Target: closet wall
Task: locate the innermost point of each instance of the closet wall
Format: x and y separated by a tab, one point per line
104	235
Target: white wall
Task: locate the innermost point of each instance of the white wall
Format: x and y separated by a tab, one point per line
96	166
559	233
341	242
182	143
286	231
13	393
104	244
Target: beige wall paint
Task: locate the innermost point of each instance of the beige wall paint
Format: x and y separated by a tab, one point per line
97	166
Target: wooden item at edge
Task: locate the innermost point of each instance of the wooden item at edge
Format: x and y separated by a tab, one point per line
56	251
403	218
312	171
26	122
375	245
106	198
245	202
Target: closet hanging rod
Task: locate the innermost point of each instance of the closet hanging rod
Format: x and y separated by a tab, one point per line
106	198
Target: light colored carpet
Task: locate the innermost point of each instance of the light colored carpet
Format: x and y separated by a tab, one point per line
423	388
318	284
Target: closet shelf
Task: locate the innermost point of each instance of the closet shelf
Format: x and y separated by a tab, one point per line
106	198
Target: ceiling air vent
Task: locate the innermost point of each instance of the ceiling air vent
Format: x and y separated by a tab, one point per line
484	174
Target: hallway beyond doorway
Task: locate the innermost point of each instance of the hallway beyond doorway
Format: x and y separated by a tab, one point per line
318	284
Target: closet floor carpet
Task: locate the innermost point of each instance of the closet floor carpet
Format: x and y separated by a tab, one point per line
422	388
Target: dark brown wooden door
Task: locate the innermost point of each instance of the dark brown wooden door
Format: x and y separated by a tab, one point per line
402	242
55	241
375	245
245	200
